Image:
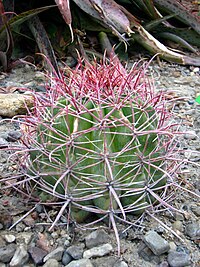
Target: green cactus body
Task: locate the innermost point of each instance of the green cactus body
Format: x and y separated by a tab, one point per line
96	148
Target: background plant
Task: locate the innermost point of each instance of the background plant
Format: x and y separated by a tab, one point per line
142	21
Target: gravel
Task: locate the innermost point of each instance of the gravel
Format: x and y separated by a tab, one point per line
30	243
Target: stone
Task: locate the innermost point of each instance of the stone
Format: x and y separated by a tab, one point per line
66	258
51	263
120	264
177	226
193	230
156	243
14	104
147	254
163	264
7	252
55	254
96	238
37	254
98	251
80	263
9	238
2	242
196	210
3	142
178	259
76	252
106	261
2	264
20	257
24	237
190	135
13	136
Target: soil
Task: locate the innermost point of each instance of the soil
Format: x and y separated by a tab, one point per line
182	85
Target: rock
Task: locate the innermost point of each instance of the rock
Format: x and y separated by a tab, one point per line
146	253
196	210
14	104
96	238
163	264
106	261
177	226
193	230
5	219
37	254
172	246
76	252
66	258
98	251
178	259
24	237
55	254
7	252
51	263
9	238
2	265
120	264
3	142
20	257
2	242
190	135
156	243
80	263
13	136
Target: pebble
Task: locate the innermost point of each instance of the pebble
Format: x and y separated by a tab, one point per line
98	251
120	264
2	242
147	254
51	263
9	238
13	136
2	265
196	210
190	135
66	258
3	143
76	252
55	254
96	238
156	243
37	254
20	257
80	263
177	225
106	261
7	252
163	264
172	246
24	237
193	230
178	259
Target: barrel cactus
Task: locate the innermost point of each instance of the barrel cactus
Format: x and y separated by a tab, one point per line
101	141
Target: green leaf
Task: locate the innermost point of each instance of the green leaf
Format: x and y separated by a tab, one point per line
198	99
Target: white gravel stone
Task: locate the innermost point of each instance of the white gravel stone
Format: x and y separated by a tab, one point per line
9	238
98	251
51	263
80	263
20	257
55	254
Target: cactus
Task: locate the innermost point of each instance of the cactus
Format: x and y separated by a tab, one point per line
101	141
